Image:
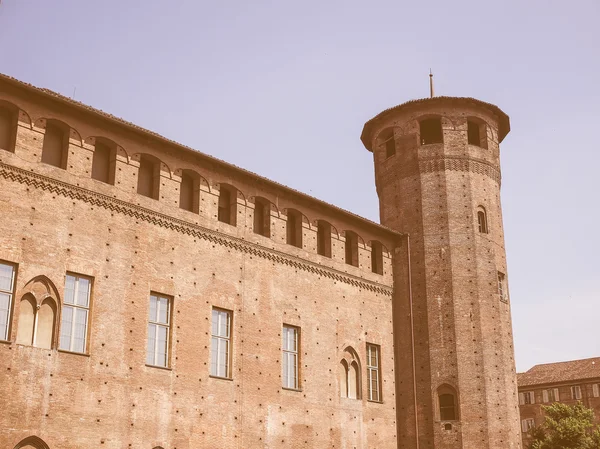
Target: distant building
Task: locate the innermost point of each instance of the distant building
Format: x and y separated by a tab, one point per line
566	382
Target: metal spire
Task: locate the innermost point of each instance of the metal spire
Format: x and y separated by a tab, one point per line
430	84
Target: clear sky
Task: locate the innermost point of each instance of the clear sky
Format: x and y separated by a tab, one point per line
283	88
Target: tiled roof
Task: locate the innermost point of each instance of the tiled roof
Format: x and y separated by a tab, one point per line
131	126
503	120
558	372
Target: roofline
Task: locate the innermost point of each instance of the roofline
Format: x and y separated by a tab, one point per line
560	382
503	120
54	96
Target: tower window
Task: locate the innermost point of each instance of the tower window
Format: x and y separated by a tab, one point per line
482	220
447	407
349	375
351	248
373	372
431	131
104	162
8	127
294	228
56	143
502	290
228	205
388	142
476	133
262	217
7	277
149	176
290	343
376	257
324	238
189	191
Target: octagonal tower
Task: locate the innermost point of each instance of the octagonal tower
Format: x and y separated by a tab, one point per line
437	171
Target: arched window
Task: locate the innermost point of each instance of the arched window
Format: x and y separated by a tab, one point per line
31	442
149	176
323	238
349	375
262	216
38	310
227	204
8	126
189	191
294	228
351	247
55	149
431	131
376	257
476	132
447	403
388	142
482	220
104	160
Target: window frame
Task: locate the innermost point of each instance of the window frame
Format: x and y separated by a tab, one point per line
526	398
157	324
527	424
374	373
75	308
482	221
576	393
502	287
11	299
228	340
295	353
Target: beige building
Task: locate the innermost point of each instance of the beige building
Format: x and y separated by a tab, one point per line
566	382
152	296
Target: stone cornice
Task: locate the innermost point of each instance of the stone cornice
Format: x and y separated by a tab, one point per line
64	189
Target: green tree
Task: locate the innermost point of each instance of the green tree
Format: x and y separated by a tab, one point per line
566	427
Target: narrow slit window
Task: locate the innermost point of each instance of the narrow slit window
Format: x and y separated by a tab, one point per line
220	343
159	324
373	372
376	257
431	131
8	128
262	217
502	290
324	238
473	136
149	177
75	313
7	280
294	228
351	247
55	146
290	343
104	162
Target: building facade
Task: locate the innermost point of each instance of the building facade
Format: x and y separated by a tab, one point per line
154	296
567	382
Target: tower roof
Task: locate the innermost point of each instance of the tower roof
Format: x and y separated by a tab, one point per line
503	120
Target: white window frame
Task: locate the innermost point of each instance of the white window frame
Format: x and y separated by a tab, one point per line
4	335
526	398
154	324
374	372
219	340
77	309
576	392
527	424
596	390
290	357
550	395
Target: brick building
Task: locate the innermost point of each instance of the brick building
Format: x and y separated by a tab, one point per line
152	296
566	382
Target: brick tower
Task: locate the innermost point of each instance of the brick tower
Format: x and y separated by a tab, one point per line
437	171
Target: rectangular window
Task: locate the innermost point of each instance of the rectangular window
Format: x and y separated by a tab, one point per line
550	395
576	392
324	238
527	424
220	343
596	390
373	372
159	323
290	356
502	290
7	280
527	397
7	129
55	146
376	257
75	312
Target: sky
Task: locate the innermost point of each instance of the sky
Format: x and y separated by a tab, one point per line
283	89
